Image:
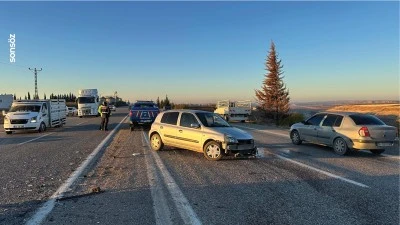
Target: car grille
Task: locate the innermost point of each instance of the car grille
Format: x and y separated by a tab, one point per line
244	142
19	121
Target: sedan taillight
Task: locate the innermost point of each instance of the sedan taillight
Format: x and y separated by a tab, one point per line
364	132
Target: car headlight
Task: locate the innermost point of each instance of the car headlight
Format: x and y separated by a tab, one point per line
230	140
34	119
6	119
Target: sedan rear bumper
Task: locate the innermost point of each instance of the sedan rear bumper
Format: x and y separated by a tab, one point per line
371	144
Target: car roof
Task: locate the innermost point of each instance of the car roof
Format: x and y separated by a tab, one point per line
342	113
188	110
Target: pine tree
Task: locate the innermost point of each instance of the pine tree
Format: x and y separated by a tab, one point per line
158	102
29	96
44	97
15	96
273	97
166	101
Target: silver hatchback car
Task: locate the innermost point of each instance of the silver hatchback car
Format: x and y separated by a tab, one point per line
200	131
345	131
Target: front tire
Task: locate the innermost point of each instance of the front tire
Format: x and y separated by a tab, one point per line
213	151
295	136
156	142
8	132
340	146
42	127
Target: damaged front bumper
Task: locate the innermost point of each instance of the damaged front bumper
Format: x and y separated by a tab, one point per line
241	150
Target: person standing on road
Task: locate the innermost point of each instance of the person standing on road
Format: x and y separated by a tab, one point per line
105	114
99	113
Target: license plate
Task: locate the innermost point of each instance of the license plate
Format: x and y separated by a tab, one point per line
18	126
145	121
385	144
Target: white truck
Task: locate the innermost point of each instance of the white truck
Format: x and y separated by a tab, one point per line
35	115
234	110
88	102
6	101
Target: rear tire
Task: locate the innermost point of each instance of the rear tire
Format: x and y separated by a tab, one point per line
8	132
340	146
212	151
377	151
295	136
156	142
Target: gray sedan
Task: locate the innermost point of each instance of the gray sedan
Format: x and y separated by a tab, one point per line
345	131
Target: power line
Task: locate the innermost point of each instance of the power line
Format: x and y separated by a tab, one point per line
36	96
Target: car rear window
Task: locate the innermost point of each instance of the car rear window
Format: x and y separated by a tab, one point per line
170	118
144	105
366	120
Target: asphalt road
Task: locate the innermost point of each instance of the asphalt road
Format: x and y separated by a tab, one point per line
127	183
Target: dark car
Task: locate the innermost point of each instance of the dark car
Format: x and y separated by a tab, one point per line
345	131
143	113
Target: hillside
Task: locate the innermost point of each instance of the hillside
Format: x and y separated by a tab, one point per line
389	113
377	109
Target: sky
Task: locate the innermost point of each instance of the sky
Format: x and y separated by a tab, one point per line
201	52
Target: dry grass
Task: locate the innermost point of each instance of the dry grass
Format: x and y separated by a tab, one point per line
377	109
389	113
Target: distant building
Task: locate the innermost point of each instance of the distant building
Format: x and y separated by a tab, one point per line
6	101
110	99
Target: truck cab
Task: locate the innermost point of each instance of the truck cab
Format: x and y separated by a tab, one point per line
88	102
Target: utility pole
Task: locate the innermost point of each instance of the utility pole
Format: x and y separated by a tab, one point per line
36	96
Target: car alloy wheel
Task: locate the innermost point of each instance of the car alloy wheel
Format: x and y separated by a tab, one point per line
295	136
156	142
340	146
213	151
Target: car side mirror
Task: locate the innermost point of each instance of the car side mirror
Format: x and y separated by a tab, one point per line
195	125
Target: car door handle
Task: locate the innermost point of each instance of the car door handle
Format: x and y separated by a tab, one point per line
180	131
161	127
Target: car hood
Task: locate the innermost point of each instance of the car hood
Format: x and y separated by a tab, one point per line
232	131
21	115
297	125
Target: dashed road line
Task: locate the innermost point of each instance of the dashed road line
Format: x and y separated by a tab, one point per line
36	138
47	207
182	204
161	210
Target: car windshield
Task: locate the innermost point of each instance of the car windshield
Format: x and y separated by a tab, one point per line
25	108
83	100
209	119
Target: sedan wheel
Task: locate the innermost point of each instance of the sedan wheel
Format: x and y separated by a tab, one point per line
213	151
156	142
340	146
295	136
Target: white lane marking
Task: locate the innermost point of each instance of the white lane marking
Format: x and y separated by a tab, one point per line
323	172
263	131
161	210
36	138
43	211
182	204
80	123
